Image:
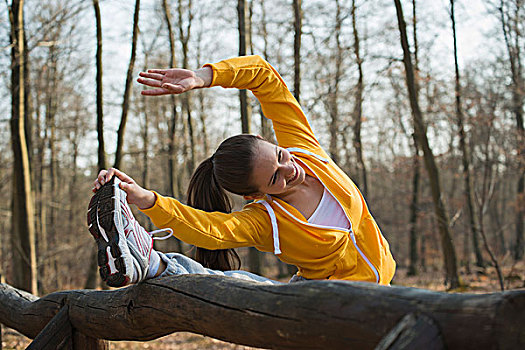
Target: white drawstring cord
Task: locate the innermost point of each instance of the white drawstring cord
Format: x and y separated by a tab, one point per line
162	230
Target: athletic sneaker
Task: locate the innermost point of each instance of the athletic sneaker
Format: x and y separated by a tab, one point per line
124	247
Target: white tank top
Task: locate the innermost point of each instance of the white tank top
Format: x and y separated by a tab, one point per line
329	213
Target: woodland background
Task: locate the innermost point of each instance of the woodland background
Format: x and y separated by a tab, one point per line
430	128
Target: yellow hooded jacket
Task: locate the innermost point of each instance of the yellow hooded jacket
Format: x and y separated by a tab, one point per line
320	252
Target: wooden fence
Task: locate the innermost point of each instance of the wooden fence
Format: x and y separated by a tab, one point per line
304	315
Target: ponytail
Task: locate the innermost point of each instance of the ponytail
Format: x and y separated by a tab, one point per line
205	193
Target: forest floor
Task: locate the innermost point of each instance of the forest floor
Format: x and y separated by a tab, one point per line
475	282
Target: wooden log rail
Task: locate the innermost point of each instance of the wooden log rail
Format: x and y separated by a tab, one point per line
304	315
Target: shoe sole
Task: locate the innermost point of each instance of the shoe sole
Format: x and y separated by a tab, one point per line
115	266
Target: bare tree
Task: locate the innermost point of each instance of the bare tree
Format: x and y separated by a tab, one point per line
358	106
143	109
512	26
449	254
173	189
184	37
174	180
127	87
201	95
51	137
333	91
91	279
100	112
266	130
465	152
298	31
414	234
244	43
78	130
416	167
28	120
38	169
469	188
22	221
254	257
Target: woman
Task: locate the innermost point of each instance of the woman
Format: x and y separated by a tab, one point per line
306	210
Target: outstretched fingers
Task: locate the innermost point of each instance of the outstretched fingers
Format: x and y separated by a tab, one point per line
165	89
150	82
156	92
156	76
158	71
176	88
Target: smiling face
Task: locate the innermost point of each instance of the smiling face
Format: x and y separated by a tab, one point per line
275	171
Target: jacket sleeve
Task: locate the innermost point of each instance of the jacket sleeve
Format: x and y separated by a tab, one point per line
211	230
278	104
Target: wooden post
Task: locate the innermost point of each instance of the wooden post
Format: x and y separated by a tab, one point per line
84	342
56	335
60	334
413	332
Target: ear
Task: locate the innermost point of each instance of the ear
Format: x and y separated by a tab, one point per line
254	196
259	137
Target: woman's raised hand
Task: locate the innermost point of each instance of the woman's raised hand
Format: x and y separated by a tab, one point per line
174	80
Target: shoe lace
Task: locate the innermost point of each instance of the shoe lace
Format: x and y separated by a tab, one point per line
159	231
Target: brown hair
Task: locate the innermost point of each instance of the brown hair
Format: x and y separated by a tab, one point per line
230	169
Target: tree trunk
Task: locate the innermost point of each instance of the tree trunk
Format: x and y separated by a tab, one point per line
73	187
305	315
465	154
518	92
203	118
51	111
487	191
186	98
91	278
143	110
449	254
40	206
266	130
100	113
298	30
244	42
145	136
358	108
202	101
28	111
254	257
22	220
127	87
333	94
172	128
416	168
174	180
413	234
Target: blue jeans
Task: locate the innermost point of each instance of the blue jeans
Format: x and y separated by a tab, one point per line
178	264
